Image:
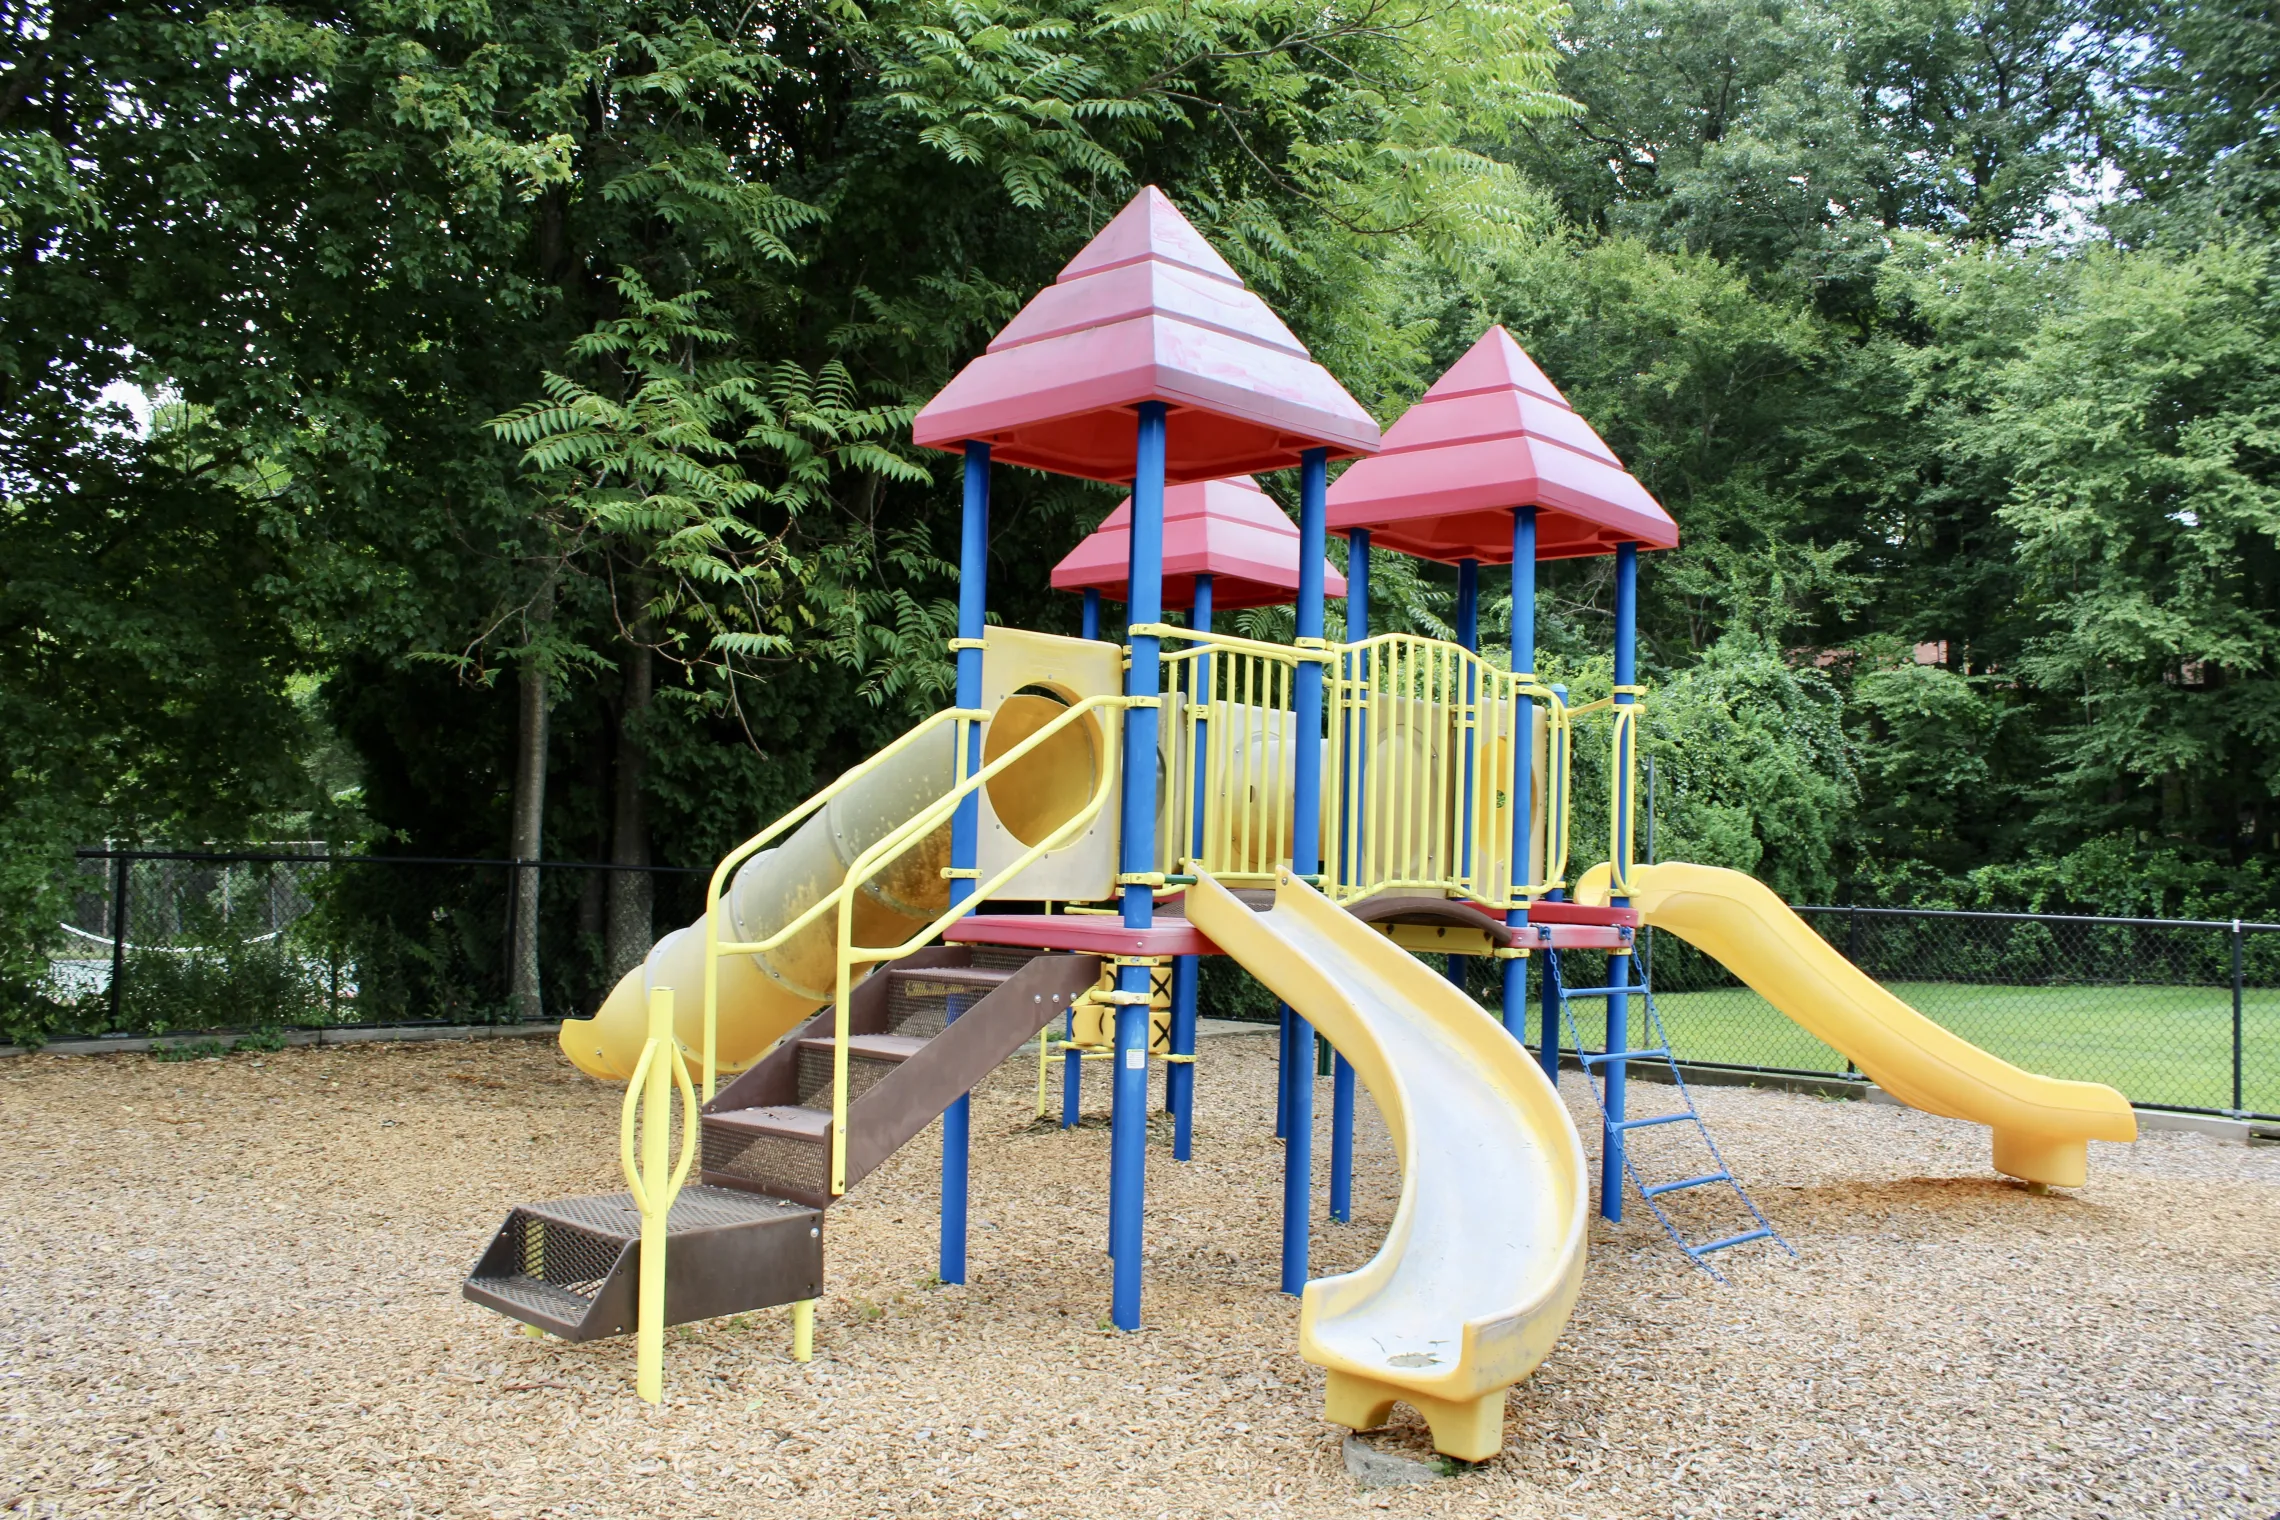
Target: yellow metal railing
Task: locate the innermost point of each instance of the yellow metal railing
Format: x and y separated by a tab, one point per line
1239	731
960	720
884	852
1622	780
648	1105
895	843
1407	717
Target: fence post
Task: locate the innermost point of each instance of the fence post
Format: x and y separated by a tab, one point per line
119	864
1852	953
2238	1105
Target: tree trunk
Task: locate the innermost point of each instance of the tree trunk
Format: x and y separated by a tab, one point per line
632	898
523	1001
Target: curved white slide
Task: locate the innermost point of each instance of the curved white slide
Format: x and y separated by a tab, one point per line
1481	1266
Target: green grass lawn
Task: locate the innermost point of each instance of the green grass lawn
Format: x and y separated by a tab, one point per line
2158	1045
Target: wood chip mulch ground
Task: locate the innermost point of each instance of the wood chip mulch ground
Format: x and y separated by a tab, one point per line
230	1288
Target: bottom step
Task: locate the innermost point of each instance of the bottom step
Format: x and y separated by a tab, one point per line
572	1266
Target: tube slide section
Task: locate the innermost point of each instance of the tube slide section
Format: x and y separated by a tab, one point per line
2042	1125
763	997
1481	1266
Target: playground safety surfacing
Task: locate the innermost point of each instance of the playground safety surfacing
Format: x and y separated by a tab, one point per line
229	1292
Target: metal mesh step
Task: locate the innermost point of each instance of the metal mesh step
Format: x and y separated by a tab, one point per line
919	1002
567	1265
783	1163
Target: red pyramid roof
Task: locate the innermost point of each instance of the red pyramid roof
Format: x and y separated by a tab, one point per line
1147	311
1227	529
1493	434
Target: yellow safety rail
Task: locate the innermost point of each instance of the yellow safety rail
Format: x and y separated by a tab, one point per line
1238	723
887	849
1404	714
648	1102
958	716
1622	780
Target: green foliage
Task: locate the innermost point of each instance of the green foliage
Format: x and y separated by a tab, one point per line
549	334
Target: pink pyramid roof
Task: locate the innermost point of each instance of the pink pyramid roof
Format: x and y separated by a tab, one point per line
1147	311
1493	434
1227	529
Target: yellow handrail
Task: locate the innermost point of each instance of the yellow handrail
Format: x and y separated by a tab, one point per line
649	1096
892	845
761	840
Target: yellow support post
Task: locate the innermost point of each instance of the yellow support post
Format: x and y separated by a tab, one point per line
803	1330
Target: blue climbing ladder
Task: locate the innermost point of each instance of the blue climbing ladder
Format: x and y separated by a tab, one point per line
1558	994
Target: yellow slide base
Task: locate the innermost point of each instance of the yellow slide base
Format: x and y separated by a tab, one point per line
1472	1431
2040	1158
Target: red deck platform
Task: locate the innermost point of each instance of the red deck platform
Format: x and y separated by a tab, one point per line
1090	933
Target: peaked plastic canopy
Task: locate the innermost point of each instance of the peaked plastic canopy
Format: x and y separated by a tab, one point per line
1147	312
1491	435
1229	530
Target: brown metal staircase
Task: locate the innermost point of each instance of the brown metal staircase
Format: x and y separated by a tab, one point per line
923	1031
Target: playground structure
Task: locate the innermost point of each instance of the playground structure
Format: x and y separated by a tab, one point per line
1061	845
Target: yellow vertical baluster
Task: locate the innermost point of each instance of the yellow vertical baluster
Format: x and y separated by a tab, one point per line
1279	793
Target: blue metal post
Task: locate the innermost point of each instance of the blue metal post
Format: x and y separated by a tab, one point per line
1179	1076
1283	1064
1354	750
1305	856
1128	1132
966	825
1091	626
1523	767
1468	637
1619	966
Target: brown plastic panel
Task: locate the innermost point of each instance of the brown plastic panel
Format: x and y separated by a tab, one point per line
1392	909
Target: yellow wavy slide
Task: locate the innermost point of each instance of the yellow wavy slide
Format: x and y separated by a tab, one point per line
1484	1258
2042	1125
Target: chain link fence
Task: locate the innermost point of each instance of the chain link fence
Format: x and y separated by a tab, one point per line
2174	1013
294	937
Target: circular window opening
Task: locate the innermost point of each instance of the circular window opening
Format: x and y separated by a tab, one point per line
1052	783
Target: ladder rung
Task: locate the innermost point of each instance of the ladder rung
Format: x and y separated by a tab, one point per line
1743	1239
1626	1055
1657	1119
1661	1188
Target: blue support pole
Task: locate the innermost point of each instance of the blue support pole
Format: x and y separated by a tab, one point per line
1468	637
1090	628
966	826
1354	766
1282	1071
1128	1122
1179	1076
1523	768
1619	966
1305	856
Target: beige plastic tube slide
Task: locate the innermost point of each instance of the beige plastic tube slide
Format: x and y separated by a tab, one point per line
2042	1125
1484	1258
762	997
